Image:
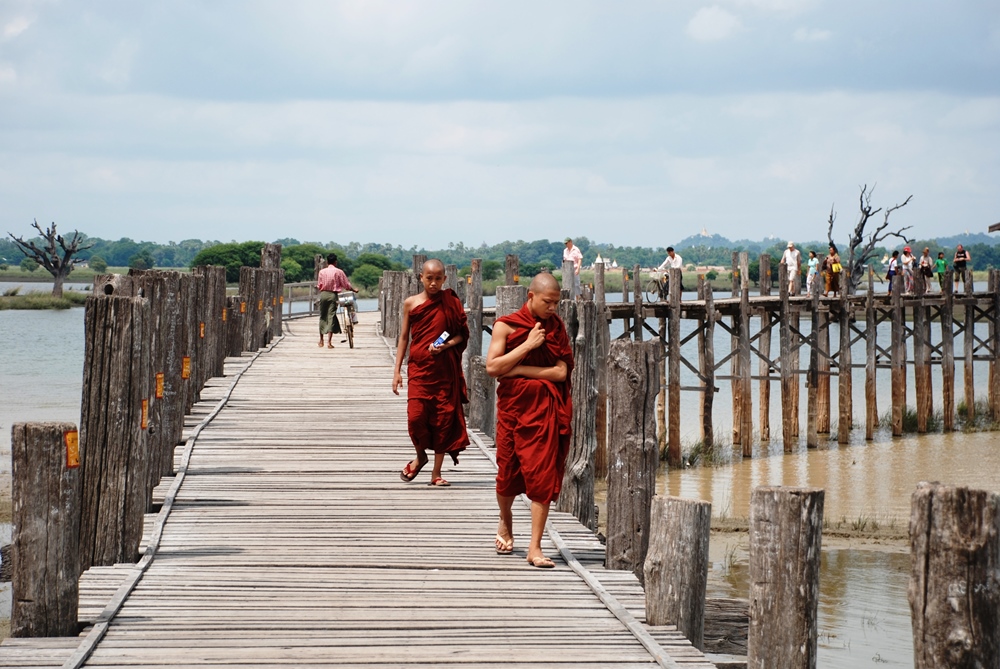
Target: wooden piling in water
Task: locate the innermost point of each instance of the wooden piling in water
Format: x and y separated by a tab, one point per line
871	360
632	452
789	381
785	536
706	365
604	343
953	592
897	357
969	348
114	456
845	373
922	356
764	346
812	379
676	566
577	495
947	323
823	400
994	338
45	552
743	360
673	394
638	319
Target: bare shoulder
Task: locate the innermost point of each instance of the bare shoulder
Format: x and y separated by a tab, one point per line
414	301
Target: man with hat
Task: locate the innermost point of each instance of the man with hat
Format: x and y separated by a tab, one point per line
793	265
571	252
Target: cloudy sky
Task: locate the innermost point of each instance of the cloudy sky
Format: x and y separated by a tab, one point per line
435	121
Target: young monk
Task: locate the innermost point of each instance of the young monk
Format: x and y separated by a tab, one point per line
436	390
530	354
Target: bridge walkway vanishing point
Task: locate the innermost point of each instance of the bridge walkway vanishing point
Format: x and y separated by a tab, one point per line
289	540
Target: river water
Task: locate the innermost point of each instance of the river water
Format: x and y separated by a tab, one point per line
864	615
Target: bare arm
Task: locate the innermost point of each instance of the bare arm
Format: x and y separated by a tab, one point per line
556	373
404	340
452	342
499	363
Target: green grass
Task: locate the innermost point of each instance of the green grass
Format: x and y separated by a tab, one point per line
70	298
983	421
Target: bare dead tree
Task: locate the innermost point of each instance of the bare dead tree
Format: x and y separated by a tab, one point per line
58	260
861	249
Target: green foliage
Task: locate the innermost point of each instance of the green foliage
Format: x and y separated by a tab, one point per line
4	267
98	264
711	275
293	270
142	260
366	276
69	299
376	260
534	268
492	270
28	264
753	272
232	256
305	256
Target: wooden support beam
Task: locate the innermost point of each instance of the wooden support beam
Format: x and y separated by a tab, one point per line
994	338
812	380
953	593
676	567
897	357
511	270
871	352
632	452
673	380
947	323
568	280
968	347
845	385
706	364
785	534
638	319
601	411
46	498
745	380
482	397
823	400
764	346
922	356
789	382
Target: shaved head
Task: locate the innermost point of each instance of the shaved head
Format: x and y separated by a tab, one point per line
432	265
543	282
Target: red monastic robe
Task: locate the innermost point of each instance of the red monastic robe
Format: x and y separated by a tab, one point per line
534	416
436	388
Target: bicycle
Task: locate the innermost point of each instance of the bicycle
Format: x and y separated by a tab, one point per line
348	316
657	290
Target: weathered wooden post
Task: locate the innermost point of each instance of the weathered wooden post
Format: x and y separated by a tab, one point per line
706	364
510	270
482	397
994	289
812	380
845	412
954	590
764	346
114	456
969	348
418	264
568	280
46	529
743	361
604	342
625	297
676	567
922	355
822	341
674	369
947	355
789	379
474	295
897	353
577	496
871	351
236	306
637	303
785	536
632	452
451	277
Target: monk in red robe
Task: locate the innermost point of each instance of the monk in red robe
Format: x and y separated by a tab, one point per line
530	354
436	388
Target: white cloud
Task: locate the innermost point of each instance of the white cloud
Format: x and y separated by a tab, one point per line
711	24
15	27
812	35
8	74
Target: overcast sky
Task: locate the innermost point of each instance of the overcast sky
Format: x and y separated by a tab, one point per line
436	121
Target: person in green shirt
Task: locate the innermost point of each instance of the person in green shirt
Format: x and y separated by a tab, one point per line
940	265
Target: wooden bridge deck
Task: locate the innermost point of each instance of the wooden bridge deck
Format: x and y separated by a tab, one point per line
291	541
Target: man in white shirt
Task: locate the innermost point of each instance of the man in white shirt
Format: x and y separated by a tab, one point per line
672	261
571	252
793	265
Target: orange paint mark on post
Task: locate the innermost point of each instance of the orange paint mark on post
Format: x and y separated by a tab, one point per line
186	367
159	385
72	440
224	312
144	422
201	330
260	305
243	307
274	301
281	299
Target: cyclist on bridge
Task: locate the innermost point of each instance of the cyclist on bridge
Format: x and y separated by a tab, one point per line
672	261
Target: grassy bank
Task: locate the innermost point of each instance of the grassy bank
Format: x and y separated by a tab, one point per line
70	298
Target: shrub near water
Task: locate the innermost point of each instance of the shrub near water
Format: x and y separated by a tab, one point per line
41	301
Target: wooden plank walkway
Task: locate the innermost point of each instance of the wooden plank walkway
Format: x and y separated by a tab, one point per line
292	542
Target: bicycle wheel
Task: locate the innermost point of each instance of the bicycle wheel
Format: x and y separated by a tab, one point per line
653	291
349	326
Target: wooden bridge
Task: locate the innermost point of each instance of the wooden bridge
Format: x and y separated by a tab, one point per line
287	539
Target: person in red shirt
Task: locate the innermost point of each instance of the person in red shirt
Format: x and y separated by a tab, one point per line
331	282
531	356
436	389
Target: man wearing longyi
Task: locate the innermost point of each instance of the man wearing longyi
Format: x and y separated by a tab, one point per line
530	354
436	389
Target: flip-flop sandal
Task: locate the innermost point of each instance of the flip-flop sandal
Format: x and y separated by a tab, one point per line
508	545
541	562
410	473
439	483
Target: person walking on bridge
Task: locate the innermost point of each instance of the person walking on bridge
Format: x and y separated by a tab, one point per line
672	261
436	330
531	356
331	282
573	254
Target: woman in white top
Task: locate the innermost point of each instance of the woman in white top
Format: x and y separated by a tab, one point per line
813	271
906	269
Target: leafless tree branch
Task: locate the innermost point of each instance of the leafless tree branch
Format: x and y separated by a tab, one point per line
58	260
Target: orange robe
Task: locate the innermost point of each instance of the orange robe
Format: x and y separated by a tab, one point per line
436	388
534	416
